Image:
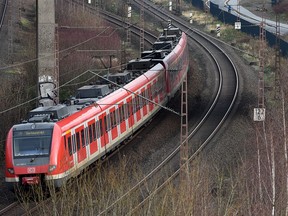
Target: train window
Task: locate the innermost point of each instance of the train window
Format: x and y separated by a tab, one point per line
140	101
91	138
124	108
130	108
78	140
146	97
154	93
114	124
87	138
93	126
107	122
127	110
136	103
104	124
65	144
113	119
83	138
98	133
74	143
150	93
117	117
122	115
69	145
101	127
143	98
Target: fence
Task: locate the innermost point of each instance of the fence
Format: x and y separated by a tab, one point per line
246	26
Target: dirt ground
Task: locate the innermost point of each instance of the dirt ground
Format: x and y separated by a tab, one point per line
262	8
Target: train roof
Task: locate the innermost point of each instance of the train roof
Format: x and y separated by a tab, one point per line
108	84
50	113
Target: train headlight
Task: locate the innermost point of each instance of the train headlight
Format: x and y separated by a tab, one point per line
11	170
52	168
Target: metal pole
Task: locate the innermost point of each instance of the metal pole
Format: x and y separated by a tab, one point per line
261	66
184	150
277	60
142	25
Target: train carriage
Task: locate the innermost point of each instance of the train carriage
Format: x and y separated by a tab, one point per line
57	142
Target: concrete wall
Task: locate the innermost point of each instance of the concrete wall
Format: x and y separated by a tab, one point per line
48	75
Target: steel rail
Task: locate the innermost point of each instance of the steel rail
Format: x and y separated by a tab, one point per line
3	13
183	26
192	133
186	29
207	115
8	208
170	156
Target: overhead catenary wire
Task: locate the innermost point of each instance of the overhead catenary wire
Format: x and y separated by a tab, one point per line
67	83
151	101
35	98
61	51
76	45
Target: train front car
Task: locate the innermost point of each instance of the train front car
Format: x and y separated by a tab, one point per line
177	61
57	143
28	149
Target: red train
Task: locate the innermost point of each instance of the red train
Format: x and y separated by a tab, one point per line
57	142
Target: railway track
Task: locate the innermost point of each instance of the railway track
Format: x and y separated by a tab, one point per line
227	82
220	107
3	9
226	90
15	208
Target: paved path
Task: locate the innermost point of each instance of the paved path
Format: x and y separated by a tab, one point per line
249	16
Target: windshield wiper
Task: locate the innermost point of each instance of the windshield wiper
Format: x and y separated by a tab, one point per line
36	156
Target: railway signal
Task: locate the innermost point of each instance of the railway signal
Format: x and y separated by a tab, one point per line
238	22
237	25
191	17
259	114
218	30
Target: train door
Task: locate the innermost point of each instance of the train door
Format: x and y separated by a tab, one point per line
144	102
130	112
155	92
80	143
92	137
162	88
67	161
87	141
122	118
103	126
138	101
151	105
74	149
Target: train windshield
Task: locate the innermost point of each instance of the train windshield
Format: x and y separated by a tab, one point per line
32	143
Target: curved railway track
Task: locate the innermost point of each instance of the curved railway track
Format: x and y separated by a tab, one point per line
226	80
16	208
3	9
